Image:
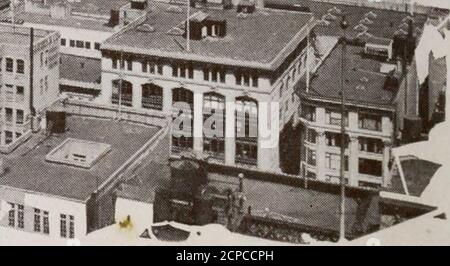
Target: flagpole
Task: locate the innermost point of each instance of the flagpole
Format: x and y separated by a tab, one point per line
344	25
307	59
188	27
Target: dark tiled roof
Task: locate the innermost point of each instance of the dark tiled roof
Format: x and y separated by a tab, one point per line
364	84
28	170
77	68
385	22
263	37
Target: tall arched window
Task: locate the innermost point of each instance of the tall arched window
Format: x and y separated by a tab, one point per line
183	110
152	97
214	124
124	90
246	130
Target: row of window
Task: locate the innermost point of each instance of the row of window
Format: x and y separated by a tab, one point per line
80	44
16	219
9	65
9	116
291	76
333	139
332	117
9	136
333	162
210	74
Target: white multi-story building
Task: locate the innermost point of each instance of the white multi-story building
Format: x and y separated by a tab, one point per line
228	64
29	77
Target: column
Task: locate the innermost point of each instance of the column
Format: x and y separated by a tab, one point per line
268	135
387	178
137	95
230	129
353	161
198	123
167	101
320	155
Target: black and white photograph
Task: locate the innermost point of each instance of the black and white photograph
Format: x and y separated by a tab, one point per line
238	123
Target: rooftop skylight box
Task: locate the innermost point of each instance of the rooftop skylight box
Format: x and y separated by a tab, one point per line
78	153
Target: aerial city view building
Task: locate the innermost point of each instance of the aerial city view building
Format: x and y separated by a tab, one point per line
269	121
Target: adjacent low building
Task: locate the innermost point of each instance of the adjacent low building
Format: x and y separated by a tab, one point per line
61	185
29	77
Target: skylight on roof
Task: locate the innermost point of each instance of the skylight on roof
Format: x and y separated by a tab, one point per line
366	21
145	28
329	16
361	27
371	15
334	10
174	9
323	22
79	153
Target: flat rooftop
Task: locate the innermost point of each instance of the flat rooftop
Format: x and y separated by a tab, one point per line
261	40
385	23
77	22
364	83
98	7
28	170
79	68
19	35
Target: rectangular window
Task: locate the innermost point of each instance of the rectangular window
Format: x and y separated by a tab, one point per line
222	75
205	74
144	67
152	68
1	62
97	46
9	115
182	71
238	76
311	136
67	226
311	159
46	223
20	90
369	121
334	117
12	215
333	161
9	65
309	113
20	216
114	63
80	44
190	71
160	69
46	83
174	71
334	139
72	43
63	42
254	81
20	66
370	145
87	45
130	64
37	220
8	137
19	117
370	167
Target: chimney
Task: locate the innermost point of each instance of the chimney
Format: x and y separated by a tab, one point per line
114	18
2	166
